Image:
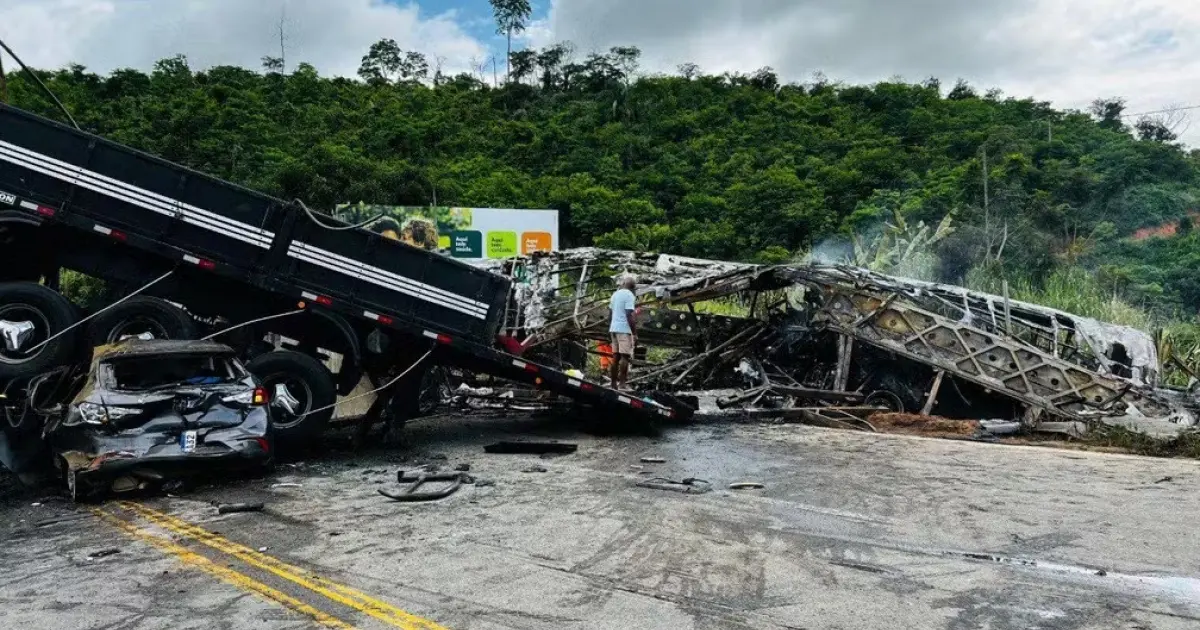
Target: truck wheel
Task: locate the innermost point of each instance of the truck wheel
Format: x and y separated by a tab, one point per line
29	315
141	316
297	383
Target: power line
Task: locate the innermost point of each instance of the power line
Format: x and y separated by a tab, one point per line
1169	110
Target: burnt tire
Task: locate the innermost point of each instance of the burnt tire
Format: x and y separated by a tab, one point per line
307	382
50	313
891	389
141	314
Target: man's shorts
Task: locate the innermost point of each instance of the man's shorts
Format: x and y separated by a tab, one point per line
622	343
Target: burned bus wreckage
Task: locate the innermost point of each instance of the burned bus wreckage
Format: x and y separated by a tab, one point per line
829	339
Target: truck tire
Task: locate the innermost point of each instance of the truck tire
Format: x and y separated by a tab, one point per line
50	313
141	314
296	383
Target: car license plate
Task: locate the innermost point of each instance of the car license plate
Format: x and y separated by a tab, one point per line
188	441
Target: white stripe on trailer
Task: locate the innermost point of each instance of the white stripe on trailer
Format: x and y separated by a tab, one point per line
465	301
29	206
370	315
222	226
349	270
378	276
574	383
385	274
333	264
430	334
309	296
625	399
107	231
520	364
191	259
137	196
173	206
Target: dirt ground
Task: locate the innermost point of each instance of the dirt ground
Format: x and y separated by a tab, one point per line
852	530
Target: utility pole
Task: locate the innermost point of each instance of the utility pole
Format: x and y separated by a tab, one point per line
3	82
985	182
1050	131
987	209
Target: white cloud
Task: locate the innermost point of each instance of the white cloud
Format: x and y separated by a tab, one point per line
331	34
1065	51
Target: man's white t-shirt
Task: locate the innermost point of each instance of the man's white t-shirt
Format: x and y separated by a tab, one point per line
622	301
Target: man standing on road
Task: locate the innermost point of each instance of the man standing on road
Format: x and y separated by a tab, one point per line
624	332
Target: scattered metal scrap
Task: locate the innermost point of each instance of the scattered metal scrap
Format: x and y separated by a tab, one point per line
412	492
691	485
233	508
531	448
804	340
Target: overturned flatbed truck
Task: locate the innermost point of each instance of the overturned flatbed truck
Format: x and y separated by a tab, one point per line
70	200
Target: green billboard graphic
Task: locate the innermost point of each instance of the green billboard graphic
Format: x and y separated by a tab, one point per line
460	232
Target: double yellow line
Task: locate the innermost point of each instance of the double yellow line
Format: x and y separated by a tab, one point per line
333	591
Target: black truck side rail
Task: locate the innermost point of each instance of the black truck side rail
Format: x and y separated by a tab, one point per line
130	196
57	175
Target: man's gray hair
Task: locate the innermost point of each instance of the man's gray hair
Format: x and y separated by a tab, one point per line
628	281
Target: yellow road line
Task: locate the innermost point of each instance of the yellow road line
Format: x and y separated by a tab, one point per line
238	580
334	591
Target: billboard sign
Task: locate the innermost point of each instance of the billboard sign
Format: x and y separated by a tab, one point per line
461	232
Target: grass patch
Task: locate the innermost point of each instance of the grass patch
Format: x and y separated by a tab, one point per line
1186	444
1071	289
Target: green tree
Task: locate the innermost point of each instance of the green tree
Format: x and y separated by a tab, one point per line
1109	112
382	62
524	62
512	16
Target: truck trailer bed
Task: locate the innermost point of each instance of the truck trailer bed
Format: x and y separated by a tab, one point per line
119	197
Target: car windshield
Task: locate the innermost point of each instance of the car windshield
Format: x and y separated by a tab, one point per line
143	373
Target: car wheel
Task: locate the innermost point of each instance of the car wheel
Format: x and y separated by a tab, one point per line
144	317
298	384
30	314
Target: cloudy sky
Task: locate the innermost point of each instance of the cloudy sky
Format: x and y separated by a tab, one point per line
1065	51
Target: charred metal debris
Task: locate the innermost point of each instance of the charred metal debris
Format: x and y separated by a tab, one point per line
835	341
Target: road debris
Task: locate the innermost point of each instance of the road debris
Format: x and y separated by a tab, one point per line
531	448
535	469
746	485
690	485
233	508
653	460
103	553
412	493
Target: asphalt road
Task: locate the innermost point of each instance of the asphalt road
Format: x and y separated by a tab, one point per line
850	531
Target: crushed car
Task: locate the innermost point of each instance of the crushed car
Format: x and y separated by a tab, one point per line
146	412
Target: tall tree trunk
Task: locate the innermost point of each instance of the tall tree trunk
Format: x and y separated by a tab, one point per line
508	61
